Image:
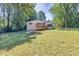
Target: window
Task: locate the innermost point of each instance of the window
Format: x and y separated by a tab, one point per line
40	24
43	23
30	23
49	25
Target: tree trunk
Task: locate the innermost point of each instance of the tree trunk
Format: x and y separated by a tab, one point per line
4	18
66	23
8	18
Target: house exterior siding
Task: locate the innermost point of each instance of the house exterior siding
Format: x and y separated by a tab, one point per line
37	25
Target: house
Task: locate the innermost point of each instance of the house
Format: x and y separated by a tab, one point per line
37	25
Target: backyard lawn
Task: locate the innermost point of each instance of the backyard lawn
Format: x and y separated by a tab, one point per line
49	42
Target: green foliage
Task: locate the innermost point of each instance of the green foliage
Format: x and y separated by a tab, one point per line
41	15
22	12
67	12
1	23
33	17
16	15
58	23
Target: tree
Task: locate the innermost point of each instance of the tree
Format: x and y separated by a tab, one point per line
33	16
22	13
58	23
66	12
16	15
6	10
41	15
3	12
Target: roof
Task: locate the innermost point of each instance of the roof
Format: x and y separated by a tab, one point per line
36	21
39	21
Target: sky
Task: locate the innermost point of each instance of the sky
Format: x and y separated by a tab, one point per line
45	8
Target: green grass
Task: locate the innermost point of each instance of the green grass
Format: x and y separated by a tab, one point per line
10	40
49	42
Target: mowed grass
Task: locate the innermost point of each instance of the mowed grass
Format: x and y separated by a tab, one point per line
49	42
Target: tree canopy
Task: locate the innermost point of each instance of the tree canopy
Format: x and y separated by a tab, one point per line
67	13
16	15
41	15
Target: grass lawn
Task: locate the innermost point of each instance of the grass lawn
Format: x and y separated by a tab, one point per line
49	42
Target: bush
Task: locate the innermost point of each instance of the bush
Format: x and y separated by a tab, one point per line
58	23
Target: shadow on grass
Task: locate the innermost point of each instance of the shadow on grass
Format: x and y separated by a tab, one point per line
10	40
